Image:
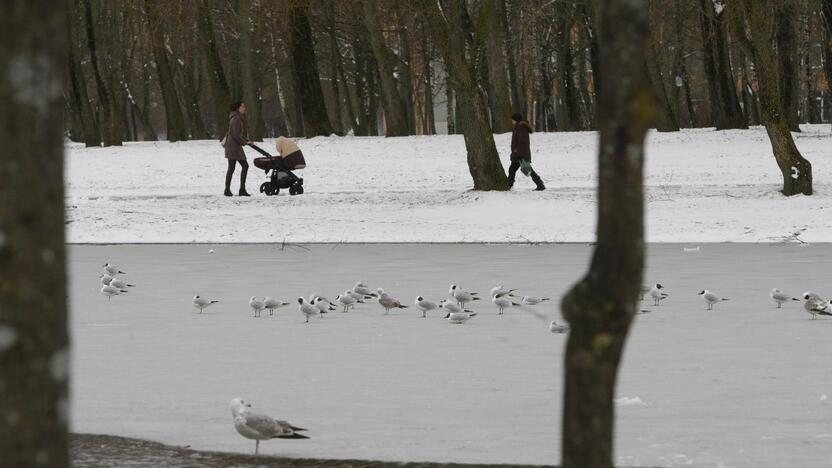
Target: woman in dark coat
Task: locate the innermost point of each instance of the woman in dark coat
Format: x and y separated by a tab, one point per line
520	150
234	143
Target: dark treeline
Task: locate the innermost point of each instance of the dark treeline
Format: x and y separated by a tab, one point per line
144	70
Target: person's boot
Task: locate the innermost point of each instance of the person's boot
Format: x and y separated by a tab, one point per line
228	193
538	182
243	192
510	182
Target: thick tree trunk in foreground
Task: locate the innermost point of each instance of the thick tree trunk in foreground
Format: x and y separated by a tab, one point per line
34	345
600	307
483	160
755	16
307	79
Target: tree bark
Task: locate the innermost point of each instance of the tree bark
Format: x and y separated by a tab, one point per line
173	114
726	112
826	11
665	119
110	123
447	26
572	120
78	81
216	72
601	306
755	17
395	112
34	342
251	93
307	79
499	84
788	58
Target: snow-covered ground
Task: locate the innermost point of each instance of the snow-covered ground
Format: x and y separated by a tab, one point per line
702	185
744	385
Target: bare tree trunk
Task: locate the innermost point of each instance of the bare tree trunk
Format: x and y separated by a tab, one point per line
572	118
216	73
34	343
335	60
755	16
499	84
665	119
786	39
826	10
110	124
601	306
307	79
251	93
78	81
395	112
449	103
173	114
725	107
483	160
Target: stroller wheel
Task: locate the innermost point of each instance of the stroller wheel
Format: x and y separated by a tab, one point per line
264	186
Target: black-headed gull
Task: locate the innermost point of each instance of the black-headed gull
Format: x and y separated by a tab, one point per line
780	297
461	296
346	300
201	303
106	279
323	305
362	288
271	304
711	298
815	306
657	294
502	291
111	270
424	305
533	300
359	298
388	302
555	327
259	427
111	291
307	309
460	317
452	307
503	301
117	283
257	305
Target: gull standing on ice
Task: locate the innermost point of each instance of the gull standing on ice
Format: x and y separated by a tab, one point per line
259	426
346	300
111	291
362	288
780	297
111	270
106	279
117	283
462	296
460	317
273	304
502	301
323	305
501	291
256	305
388	302
453	308
657	294
815	305
555	327
711	298
307	309
359	298
201	303
533	300
424	306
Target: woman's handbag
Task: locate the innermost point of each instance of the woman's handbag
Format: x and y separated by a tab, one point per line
525	167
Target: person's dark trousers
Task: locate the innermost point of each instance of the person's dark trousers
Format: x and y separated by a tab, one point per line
230	173
512	172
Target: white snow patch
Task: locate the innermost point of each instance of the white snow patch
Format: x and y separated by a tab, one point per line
634	401
823	397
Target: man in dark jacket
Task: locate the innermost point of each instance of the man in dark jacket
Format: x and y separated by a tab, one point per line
520	150
234	143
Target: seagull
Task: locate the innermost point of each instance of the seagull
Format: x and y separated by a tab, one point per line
452	308
501	291
555	327
111	291
111	270
533	300
201	303
346	300
460	317
388	302
813	295
816	306
272	304
657	294
307	309
502	301
424	306
117	283
323	305
462	296
780	297
256	305
362	288
359	298
106	279
259	426
711	298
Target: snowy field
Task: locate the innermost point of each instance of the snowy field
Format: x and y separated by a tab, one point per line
702	186
744	385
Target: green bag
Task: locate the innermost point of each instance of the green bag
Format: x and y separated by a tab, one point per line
525	167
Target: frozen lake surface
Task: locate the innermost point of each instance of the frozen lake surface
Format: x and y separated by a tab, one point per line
743	385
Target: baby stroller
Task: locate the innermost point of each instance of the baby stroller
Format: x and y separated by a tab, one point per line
281	169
